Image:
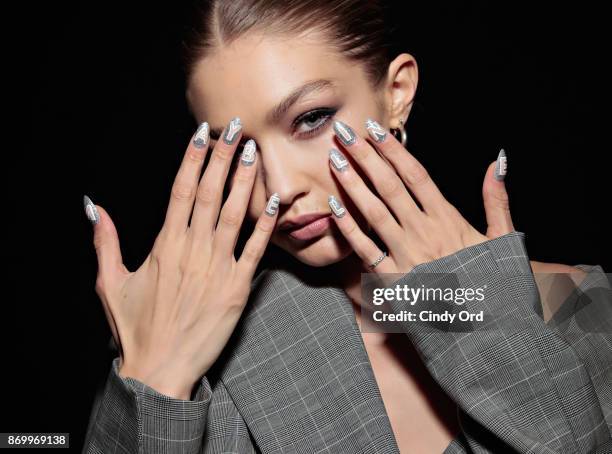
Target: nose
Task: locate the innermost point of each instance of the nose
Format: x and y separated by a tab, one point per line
282	174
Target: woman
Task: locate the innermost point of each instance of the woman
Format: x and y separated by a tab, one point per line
216	355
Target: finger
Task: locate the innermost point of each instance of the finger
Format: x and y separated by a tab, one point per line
362	244
372	208
496	200
186	182
110	263
256	245
384	177
210	190
106	242
234	209
410	170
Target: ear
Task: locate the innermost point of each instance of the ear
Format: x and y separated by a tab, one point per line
402	80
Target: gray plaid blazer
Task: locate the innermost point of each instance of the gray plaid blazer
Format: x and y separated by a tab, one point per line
295	376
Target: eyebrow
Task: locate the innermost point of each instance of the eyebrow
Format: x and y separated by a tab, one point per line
282	107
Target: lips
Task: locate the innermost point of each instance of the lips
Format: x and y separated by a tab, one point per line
301	221
307	226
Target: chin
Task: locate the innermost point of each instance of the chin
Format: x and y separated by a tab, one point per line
322	251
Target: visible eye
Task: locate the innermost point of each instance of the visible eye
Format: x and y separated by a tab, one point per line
311	122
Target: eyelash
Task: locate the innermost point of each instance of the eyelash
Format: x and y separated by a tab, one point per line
323	112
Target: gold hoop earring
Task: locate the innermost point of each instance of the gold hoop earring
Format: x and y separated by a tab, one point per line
403	138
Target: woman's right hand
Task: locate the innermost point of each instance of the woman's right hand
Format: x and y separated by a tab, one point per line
173	316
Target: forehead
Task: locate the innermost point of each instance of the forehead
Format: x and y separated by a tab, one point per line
256	71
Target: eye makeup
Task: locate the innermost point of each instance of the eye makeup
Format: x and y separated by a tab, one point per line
320	116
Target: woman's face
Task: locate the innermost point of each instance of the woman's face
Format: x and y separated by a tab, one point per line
287	92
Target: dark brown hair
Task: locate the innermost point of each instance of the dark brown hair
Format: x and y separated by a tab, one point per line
362	30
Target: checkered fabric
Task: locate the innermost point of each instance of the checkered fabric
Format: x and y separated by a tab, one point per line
295	376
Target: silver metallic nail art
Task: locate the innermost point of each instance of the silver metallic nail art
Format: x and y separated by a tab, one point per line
272	205
338	160
200	138
375	130
90	210
232	130
248	153
501	166
336	206
345	133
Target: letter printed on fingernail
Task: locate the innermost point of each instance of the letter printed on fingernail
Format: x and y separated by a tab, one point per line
232	130
338	160
90	210
501	166
376	132
336	206
272	205
344	132
248	153
200	138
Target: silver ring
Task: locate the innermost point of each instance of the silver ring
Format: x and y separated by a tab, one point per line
378	260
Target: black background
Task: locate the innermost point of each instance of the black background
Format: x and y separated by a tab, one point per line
100	110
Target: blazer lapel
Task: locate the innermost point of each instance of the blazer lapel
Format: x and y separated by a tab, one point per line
298	372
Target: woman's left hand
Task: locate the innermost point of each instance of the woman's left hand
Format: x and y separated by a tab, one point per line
415	235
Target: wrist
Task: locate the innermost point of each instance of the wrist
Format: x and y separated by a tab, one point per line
162	382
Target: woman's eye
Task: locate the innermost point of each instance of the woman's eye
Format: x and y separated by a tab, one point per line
312	121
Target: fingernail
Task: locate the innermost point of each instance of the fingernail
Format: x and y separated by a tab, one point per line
501	166
336	206
90	210
248	153
338	160
376	132
200	138
344	132
272	205
232	130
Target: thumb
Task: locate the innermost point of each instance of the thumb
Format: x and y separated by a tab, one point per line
106	242
496	200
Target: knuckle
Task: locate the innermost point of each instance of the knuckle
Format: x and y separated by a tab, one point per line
265	227
501	199
158	245
419	176
100	286
351	230
351	180
251	254
360	155
377	214
231	218
156	258
223	154
205	195
181	191
99	241
196	157
242	176
390	187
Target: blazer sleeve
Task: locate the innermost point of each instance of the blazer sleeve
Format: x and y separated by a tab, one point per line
130	417
518	383
584	321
